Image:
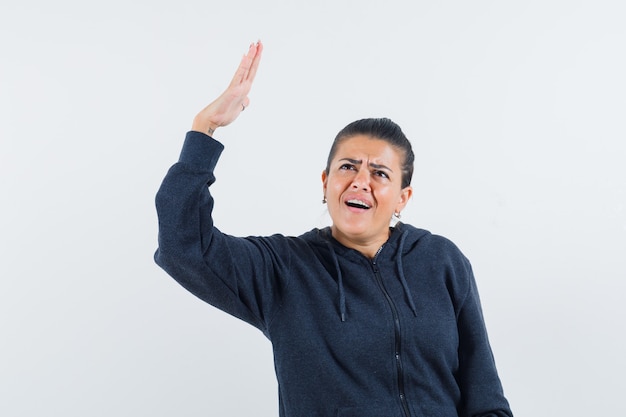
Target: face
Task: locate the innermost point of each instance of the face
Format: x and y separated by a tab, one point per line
363	190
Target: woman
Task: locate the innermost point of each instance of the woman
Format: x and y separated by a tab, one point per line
365	320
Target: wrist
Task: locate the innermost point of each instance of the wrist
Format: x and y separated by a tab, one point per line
205	126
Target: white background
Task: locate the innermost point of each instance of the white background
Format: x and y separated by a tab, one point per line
516	112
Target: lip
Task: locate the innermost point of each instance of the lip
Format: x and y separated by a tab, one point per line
360	197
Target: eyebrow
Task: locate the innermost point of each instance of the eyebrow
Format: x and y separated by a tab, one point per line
373	165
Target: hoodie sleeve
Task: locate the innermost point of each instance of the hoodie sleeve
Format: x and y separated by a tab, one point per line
481	390
236	275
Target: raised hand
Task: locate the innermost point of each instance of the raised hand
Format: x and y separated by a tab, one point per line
225	109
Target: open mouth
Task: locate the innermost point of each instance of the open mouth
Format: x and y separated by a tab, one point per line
358	204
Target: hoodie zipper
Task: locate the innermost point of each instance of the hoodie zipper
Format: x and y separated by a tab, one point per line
398	345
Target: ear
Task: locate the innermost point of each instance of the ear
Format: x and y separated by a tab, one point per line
405	196
324	181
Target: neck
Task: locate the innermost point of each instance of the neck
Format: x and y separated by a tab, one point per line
368	247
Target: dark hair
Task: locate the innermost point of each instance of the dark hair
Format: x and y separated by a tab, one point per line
383	129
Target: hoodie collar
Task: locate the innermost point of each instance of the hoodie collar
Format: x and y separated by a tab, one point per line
397	238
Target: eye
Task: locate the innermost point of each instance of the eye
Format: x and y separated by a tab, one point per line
347	167
381	174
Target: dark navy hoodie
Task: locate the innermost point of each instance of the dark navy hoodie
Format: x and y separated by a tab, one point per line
398	335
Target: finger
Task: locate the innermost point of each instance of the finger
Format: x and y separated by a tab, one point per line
255	61
244	66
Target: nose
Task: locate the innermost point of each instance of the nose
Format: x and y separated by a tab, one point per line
361	180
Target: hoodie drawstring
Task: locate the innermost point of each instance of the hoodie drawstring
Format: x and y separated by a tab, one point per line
405	285
403	281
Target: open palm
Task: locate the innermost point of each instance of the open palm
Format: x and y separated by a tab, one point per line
225	109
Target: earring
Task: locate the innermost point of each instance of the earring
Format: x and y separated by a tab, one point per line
397	215
324	200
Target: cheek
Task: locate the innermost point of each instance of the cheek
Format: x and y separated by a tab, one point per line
386	197
335	190
336	184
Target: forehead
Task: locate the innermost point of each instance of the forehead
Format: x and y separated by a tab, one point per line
368	148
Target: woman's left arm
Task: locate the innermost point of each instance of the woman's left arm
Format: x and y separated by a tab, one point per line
481	390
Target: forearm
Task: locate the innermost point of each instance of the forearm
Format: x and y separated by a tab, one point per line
184	207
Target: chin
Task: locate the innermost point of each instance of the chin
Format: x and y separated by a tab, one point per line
354	230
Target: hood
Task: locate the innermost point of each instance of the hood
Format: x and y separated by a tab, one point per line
402	239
